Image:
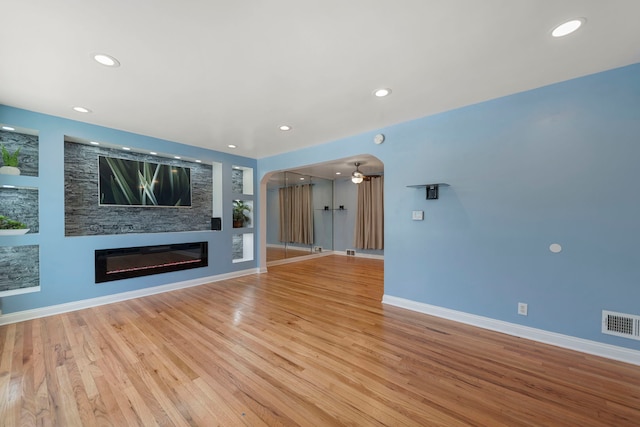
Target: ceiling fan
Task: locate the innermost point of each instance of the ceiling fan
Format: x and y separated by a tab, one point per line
357	177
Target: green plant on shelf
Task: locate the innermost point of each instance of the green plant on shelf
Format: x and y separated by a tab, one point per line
240	218
9	159
9	224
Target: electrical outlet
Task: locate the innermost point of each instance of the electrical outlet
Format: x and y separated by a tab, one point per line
523	308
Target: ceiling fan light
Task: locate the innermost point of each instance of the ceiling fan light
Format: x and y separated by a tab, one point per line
357	177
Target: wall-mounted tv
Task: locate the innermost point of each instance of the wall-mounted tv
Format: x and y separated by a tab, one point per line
135	183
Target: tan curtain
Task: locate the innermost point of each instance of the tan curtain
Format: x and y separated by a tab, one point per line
296	214
369	232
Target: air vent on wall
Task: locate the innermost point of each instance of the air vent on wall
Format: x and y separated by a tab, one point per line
621	325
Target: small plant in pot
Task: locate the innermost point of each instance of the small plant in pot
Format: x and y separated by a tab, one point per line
240	218
9	226
10	162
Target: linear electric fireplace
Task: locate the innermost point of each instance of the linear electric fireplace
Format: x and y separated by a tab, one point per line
124	263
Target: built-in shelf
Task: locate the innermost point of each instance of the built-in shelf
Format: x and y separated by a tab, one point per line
242	248
19	198
441	184
20	239
19	181
432	189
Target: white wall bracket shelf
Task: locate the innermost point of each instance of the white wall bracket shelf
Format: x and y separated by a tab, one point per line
432	189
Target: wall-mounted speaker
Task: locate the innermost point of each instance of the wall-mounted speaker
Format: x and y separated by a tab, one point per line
216	223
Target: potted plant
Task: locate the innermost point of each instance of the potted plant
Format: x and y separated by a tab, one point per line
10	162
10	227
240	218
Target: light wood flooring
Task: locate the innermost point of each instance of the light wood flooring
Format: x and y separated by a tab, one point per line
306	344
280	253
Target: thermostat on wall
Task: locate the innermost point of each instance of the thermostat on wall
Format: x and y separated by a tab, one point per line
417	215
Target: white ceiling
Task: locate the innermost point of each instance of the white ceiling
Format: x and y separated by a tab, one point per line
340	169
210	73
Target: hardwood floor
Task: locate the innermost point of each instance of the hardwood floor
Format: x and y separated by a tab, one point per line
306	344
280	253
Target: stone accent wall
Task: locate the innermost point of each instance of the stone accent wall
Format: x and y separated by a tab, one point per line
28	144
236	181
237	246
20	267
84	216
20	204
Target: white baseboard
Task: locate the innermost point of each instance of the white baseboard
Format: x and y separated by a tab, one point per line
572	343
327	251
51	310
299	258
359	255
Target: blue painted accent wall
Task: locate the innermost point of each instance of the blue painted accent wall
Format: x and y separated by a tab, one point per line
558	164
67	263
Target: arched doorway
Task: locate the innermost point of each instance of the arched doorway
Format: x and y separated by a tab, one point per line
333	210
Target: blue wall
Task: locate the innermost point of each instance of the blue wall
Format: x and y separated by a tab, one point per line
67	263
558	164
553	165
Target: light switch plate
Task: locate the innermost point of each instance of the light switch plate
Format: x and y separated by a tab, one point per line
417	215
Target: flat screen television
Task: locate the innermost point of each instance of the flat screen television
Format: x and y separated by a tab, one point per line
126	182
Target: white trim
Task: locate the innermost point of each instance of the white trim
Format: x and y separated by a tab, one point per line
275	245
359	255
343	253
572	343
299	258
51	310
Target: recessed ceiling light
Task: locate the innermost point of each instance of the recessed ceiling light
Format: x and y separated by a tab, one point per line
198	161
301	178
567	28
177	157
232	146
8	186
94	143
338	173
8	128
153	153
106	60
285	128
81	110
382	92
126	148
